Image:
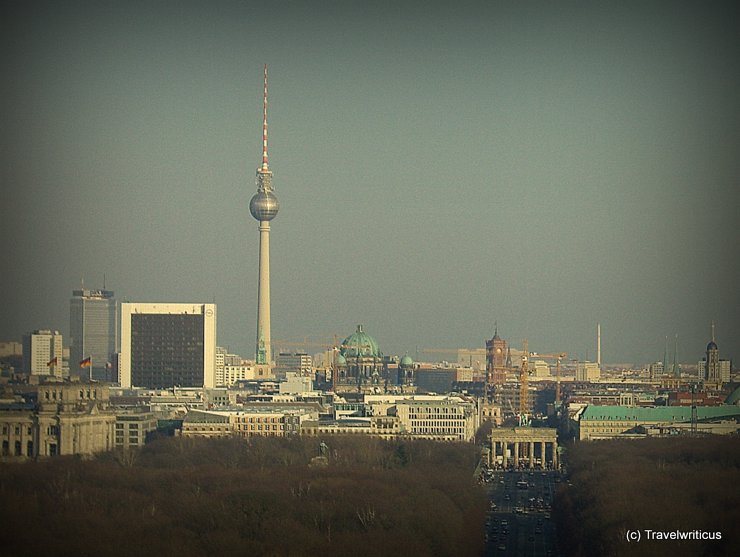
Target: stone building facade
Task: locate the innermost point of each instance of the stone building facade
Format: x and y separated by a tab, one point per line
65	419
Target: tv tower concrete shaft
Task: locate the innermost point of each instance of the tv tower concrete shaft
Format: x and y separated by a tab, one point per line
264	207
263	296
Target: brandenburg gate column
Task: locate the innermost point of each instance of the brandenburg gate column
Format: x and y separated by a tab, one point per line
504	446
516	454
542	454
531	454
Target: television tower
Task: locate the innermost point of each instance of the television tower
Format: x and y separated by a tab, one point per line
264	207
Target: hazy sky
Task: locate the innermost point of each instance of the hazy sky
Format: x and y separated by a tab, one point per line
440	167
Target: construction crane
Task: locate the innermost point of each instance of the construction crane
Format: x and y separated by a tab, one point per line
524	380
326	344
558	356
440	350
553	356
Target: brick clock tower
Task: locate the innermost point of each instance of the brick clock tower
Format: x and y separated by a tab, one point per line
496	350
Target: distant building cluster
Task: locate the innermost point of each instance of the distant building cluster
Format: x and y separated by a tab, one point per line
138	369
134	369
439	417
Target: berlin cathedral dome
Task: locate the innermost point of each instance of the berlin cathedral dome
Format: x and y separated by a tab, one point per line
360	363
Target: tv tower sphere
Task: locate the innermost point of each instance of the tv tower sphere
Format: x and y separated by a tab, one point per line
264	206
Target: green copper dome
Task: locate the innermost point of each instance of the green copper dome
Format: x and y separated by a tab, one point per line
360	344
406	361
341	361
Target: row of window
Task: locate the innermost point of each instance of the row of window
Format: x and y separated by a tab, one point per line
436	423
132	439
83	394
50	430
18	448
17	429
435	411
258	427
261	420
438	430
435	417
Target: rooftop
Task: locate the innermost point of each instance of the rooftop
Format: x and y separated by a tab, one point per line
658	413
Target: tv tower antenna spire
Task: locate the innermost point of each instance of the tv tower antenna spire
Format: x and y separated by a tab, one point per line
265	167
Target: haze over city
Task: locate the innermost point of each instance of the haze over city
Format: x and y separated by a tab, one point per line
440	168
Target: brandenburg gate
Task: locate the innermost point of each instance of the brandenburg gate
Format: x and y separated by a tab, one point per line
524	443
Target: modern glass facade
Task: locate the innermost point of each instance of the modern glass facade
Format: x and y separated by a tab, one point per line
93	332
167	350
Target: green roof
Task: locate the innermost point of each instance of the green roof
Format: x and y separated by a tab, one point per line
360	344
658	413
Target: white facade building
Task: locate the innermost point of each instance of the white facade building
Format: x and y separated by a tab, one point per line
219	369
440	417
240	372
724	366
296	383
42	353
541	369
587	371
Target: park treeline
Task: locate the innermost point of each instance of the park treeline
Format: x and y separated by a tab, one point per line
666	485
263	496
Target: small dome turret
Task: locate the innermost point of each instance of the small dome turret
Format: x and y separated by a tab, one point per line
406	361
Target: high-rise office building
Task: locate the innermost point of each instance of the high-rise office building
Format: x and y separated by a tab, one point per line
42	353
168	345
93	332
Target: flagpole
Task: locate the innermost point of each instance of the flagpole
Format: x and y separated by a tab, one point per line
89	371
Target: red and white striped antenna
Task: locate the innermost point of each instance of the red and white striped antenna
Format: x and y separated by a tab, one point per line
265	167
